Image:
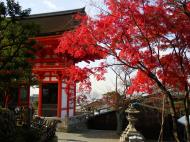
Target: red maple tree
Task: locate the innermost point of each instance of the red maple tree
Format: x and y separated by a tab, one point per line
152	37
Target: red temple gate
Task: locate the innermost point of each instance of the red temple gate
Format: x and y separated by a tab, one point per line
49	67
50	71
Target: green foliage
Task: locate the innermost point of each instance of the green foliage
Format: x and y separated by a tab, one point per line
7	123
15	46
35	105
12	9
27	135
10	133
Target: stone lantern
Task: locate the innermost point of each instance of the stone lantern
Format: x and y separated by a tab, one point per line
130	134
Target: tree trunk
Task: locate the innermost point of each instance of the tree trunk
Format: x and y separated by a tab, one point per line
187	127
120	115
174	118
171	102
160	139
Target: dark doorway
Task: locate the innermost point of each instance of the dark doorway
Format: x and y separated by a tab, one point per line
49	99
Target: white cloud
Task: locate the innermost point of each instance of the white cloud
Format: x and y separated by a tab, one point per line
50	4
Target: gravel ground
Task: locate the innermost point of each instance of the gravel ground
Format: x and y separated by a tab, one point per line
87	136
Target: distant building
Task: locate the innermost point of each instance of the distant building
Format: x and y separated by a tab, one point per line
97	107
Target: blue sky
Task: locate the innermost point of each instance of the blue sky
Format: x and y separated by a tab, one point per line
43	6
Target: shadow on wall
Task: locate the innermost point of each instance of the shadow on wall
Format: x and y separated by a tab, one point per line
149	123
105	121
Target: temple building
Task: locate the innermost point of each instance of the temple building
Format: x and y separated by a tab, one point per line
49	67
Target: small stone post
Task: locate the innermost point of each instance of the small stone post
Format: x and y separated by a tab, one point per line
130	134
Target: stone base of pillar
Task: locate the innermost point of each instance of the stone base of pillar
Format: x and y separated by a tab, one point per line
131	136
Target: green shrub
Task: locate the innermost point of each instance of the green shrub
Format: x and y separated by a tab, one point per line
27	135
7	125
10	133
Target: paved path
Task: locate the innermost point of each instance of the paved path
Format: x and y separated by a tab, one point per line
87	136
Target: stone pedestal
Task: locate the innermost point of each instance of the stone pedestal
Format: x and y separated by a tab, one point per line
131	134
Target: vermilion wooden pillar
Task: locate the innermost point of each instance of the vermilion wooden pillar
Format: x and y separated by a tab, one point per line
40	100
59	97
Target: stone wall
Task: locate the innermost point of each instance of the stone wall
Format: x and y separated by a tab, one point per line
74	123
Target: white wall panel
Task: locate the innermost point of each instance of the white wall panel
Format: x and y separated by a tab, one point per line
64	99
63	113
46	79
54	79
71	112
63	85
64	102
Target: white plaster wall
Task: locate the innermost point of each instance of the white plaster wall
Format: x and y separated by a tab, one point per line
54	79
64	102
63	113
71	112
46	79
63	85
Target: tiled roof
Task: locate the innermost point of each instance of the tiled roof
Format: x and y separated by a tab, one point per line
55	22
